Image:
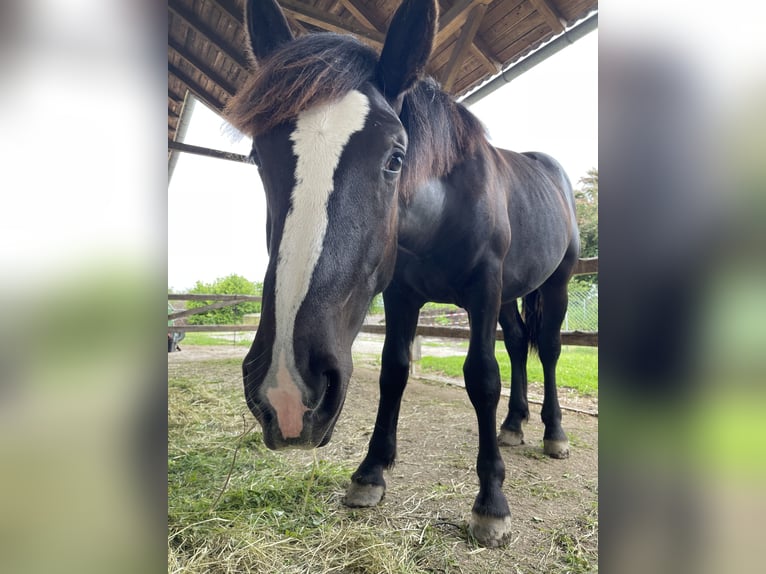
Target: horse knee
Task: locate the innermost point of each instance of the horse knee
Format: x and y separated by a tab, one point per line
395	361
482	381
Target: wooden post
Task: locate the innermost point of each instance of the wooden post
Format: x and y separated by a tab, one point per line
416	352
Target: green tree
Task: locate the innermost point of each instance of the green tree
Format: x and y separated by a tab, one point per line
231	315
586	201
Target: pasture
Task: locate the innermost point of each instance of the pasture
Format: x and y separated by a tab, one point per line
234	506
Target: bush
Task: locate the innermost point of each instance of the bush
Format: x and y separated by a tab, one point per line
231	315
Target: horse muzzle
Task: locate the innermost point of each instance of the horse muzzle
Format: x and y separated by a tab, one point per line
286	419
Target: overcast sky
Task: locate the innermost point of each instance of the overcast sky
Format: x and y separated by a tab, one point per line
216	218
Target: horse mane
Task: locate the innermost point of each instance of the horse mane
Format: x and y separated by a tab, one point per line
319	68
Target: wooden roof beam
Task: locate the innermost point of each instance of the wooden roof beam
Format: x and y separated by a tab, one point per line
460	50
202	68
201	93
298	28
327	21
207	32
454	18
480	50
550	14
207	152
363	14
230	8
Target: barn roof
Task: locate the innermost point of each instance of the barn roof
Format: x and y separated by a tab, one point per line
477	39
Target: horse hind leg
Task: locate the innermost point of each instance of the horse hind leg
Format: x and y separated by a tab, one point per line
516	344
553	298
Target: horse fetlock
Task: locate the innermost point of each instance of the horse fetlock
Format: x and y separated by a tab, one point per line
363	495
510	437
490	531
556	448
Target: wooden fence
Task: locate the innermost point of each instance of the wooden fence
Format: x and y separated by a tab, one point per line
577	338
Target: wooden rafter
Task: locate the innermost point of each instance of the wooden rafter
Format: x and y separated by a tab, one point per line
363	14
327	21
207	32
451	21
550	14
298	28
460	50
229	8
207	152
206	97
483	53
202	68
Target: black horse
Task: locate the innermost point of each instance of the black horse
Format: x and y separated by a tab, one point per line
377	180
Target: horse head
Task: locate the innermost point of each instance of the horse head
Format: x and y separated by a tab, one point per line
323	111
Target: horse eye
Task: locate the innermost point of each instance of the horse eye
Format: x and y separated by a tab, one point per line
395	162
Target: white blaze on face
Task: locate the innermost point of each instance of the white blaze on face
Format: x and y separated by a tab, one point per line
320	136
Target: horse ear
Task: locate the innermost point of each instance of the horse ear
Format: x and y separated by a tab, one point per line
267	27
407	47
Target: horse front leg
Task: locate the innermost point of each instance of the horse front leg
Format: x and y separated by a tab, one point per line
490	517
367	484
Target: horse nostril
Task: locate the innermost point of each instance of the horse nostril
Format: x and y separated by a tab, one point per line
330	383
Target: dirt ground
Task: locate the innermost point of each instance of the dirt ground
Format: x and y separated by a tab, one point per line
554	503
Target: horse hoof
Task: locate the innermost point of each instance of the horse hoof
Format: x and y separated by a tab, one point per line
363	495
556	448
490	531
510	438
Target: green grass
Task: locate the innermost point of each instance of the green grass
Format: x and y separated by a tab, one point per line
235	506
577	367
243	339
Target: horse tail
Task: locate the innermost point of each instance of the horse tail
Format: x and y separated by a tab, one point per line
532	312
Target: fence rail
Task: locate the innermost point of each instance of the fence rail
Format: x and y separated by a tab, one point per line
576	337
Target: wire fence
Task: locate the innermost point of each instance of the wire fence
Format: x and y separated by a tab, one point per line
582	313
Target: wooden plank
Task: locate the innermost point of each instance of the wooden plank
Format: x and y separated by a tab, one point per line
298	28
230	9
329	22
530	40
507	23
203	309
211	328
586	266
207	152
200	27
211	297
209	99
482	51
467	35
550	14
202	67
452	20
576	338
363	14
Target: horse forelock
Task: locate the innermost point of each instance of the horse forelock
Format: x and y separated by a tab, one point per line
312	70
